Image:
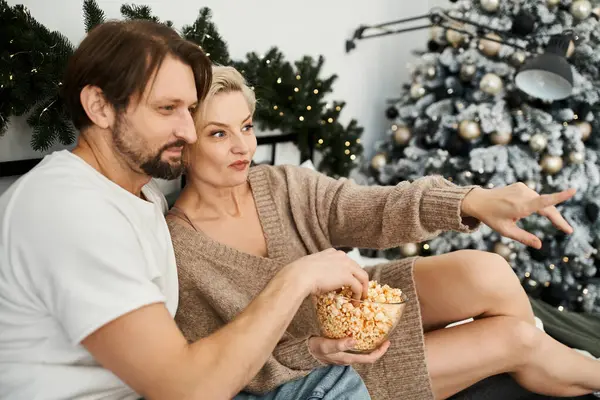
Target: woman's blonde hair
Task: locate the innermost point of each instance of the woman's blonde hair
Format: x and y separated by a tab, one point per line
226	80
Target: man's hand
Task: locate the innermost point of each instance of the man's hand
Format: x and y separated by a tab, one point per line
329	270
333	351
501	208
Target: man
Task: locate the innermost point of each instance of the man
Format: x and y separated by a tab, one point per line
88	281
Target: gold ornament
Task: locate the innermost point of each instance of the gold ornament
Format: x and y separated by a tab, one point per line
517	58
552	3
409	250
402	135
571	49
585	128
596	12
490	5
378	161
503	250
417	91
469	130
581	9
489	47
436	33
455	38
502	138
467	72
538	142
491	84
531	184
431	72
552	164
577	157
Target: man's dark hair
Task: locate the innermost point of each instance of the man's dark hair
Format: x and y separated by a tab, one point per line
120	58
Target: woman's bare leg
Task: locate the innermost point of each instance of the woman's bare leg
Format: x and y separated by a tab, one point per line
468	284
473	284
460	356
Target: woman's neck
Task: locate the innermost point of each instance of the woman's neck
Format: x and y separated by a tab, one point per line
201	200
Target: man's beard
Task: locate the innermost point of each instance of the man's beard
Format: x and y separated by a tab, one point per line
132	148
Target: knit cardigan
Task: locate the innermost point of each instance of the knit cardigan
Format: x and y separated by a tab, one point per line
303	212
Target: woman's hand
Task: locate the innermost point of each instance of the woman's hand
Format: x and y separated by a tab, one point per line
501	208
333	351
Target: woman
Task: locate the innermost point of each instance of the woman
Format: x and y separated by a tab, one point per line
234	226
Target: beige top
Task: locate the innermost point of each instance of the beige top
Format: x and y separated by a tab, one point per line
303	212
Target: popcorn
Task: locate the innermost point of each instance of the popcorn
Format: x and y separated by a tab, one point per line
369	321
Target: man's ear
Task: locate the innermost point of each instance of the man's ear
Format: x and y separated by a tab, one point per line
98	110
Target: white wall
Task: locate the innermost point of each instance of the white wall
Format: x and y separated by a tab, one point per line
369	75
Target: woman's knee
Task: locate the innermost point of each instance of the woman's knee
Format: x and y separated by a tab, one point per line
488	273
516	339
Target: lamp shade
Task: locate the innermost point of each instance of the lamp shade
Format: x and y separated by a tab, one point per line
547	77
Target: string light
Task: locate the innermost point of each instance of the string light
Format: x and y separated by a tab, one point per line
347	144
268	61
290	97
208	55
320	141
585	291
353	157
561	308
308	108
296	90
278	80
575	116
426	246
281	113
10	77
301	118
347	151
566	259
298	77
338	108
552	266
358	141
330	120
527	274
275	107
316	91
547	284
394	127
252	87
565	123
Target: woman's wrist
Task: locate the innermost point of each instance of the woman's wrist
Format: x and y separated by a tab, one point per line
471	204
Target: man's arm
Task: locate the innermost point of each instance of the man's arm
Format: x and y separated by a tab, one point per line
148	352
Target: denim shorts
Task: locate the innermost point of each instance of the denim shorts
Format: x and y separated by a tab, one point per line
326	383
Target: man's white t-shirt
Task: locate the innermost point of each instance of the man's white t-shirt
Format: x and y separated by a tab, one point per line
76	252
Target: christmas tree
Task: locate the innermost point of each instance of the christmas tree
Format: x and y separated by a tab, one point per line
290	96
463	117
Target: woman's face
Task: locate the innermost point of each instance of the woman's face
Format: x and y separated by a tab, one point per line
226	142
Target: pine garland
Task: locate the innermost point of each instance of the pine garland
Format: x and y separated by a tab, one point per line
290	96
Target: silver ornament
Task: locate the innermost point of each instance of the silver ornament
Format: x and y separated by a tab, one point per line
577	157
467	72
469	130
503	250
490	48
585	128
517	58
501	138
581	9
417	91
402	135
409	249
538	142
378	161
491	84
490	5
552	164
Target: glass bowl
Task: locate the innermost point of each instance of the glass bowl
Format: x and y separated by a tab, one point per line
370	323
